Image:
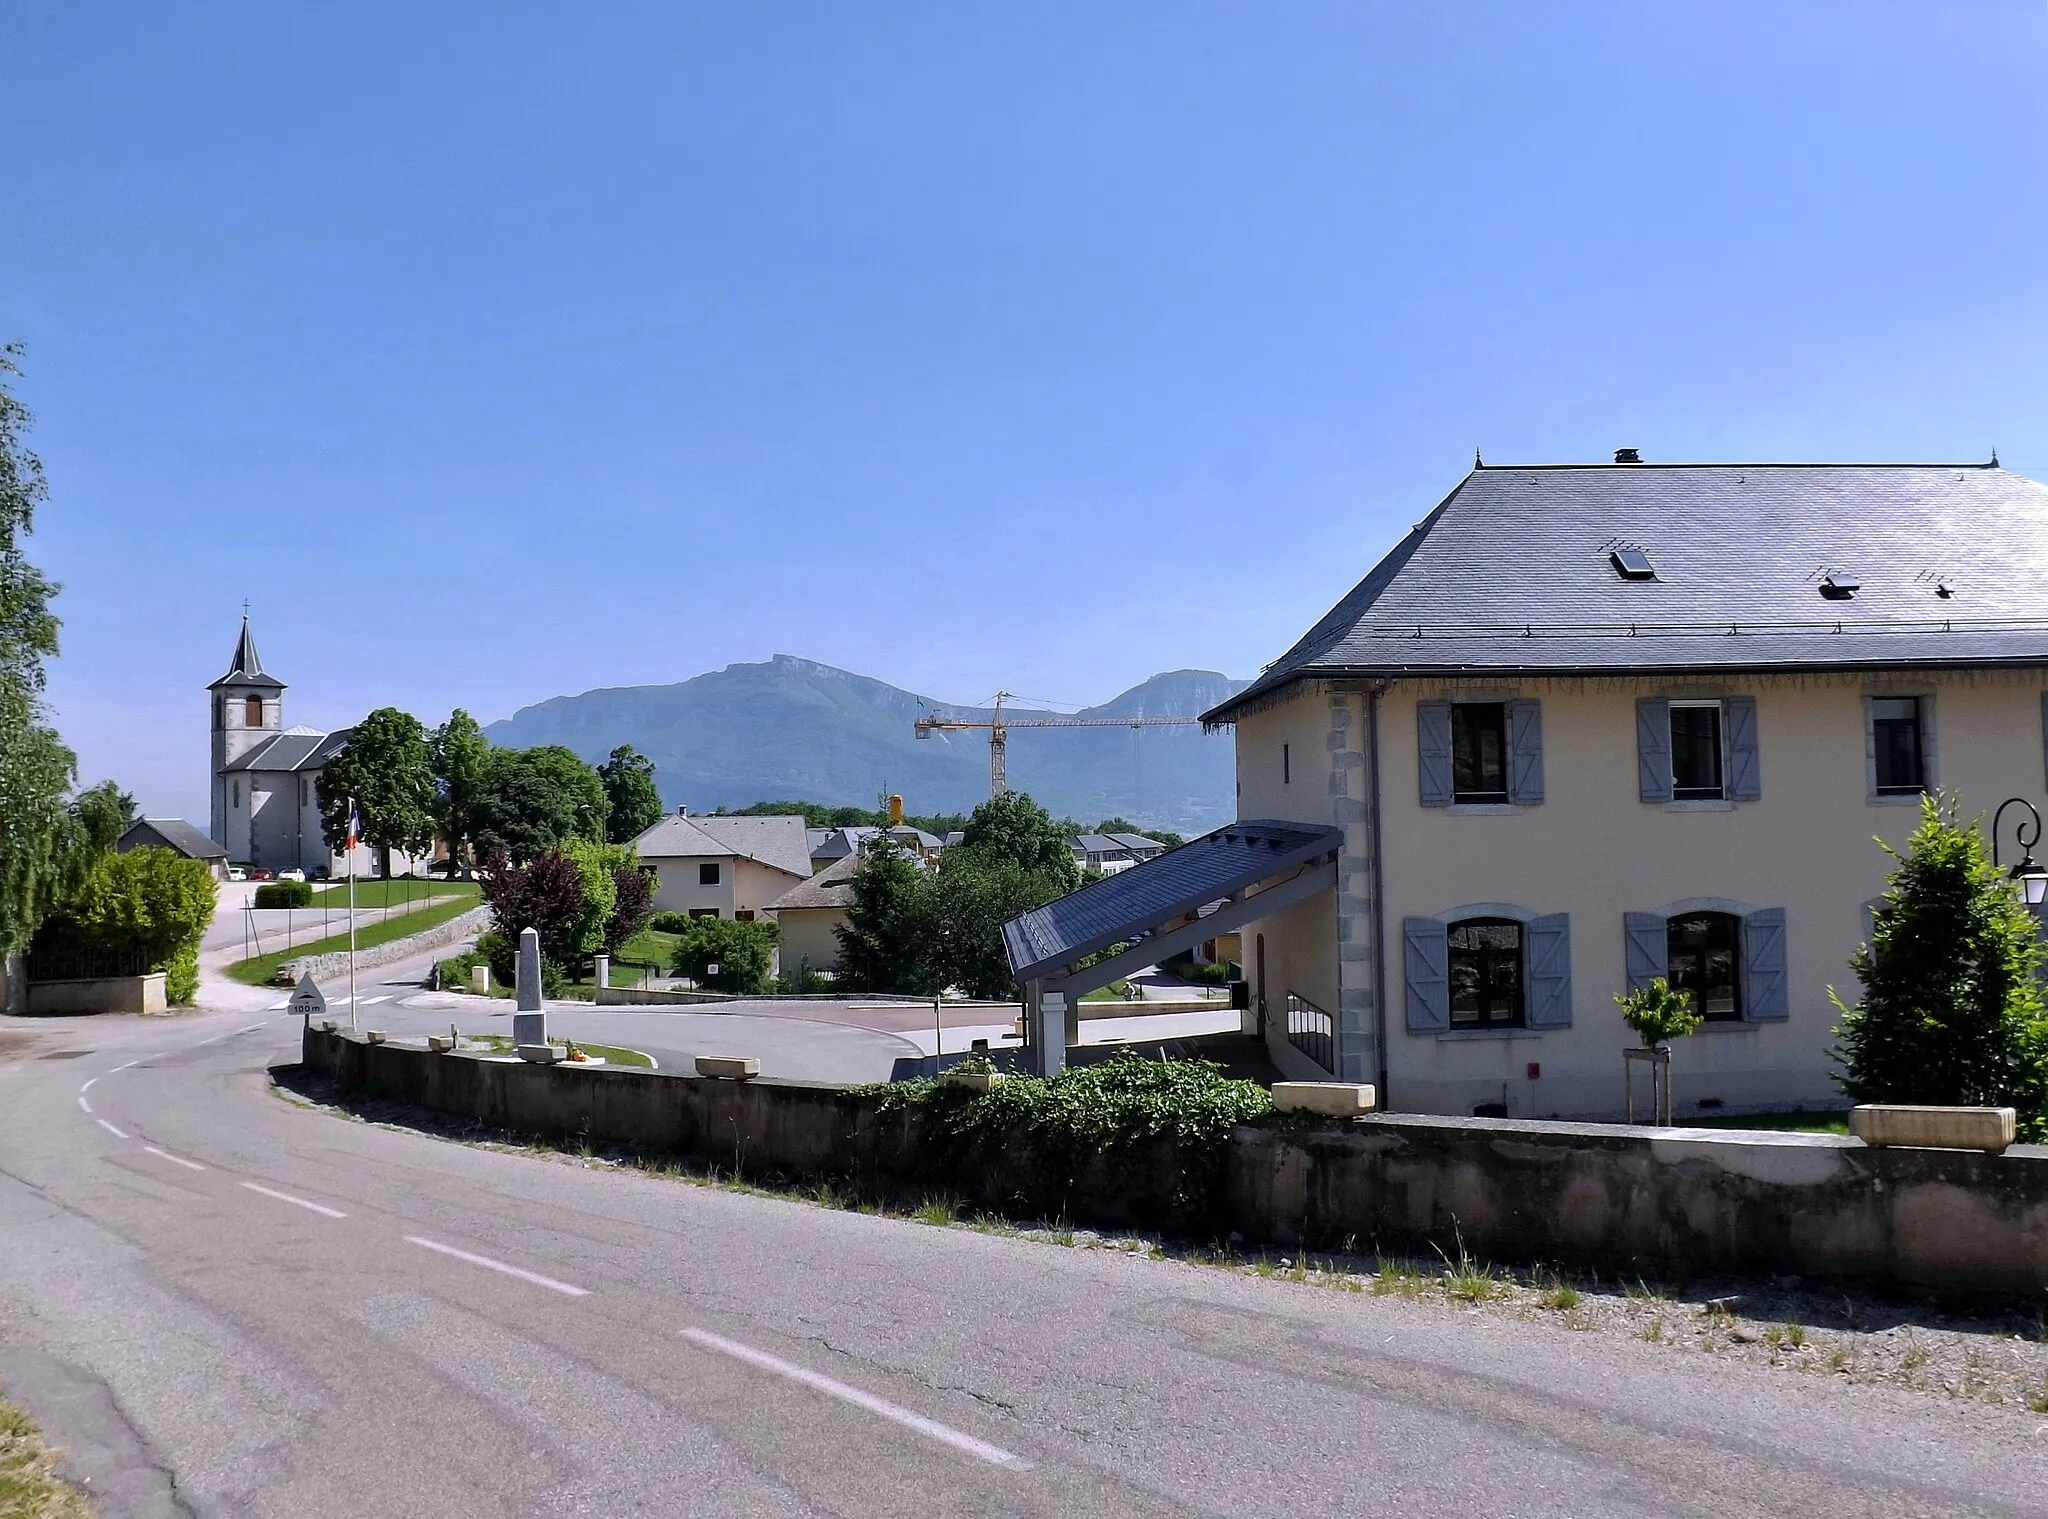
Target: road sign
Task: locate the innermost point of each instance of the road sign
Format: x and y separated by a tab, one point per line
308	1001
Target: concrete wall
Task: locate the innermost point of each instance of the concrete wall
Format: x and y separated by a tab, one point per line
1591	849
1624	1198
102	994
332	970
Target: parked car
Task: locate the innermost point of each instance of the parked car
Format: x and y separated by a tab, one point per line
257	873
236	873
291	875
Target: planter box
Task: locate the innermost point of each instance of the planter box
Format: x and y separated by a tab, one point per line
974	1081
101	994
729	1067
1332	1099
1933	1128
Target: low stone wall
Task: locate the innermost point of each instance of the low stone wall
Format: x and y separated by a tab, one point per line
322	968
100	994
1657	1201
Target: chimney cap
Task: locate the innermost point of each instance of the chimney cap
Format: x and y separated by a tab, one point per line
1628	456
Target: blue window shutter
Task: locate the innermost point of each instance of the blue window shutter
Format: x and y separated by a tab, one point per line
1428	975
1766	994
1433	751
1525	752
1547	942
1745	771
1653	749
1649	948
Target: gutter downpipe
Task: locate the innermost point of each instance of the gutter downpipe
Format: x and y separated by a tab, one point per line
1379	894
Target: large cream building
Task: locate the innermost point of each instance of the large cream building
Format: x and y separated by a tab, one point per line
1589	725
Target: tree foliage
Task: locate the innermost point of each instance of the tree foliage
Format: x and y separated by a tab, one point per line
632	904
152	905
889	940
386	767
462	761
1952	1009
38	834
547	895
820	815
1658	1015
103	813
974	894
1013	827
743	953
533	800
632	801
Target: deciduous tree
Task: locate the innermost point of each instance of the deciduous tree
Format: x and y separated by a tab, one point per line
1013	827
462	762
532	800
743	953
890	940
632	801
386	766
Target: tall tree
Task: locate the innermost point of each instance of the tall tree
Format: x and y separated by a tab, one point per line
103	813
462	762
533	800
1952	1008
387	767
37	832
632	802
976	893
890	940
1015	828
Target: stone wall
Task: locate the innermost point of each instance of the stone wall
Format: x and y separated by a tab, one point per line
100	994
323	968
1655	1201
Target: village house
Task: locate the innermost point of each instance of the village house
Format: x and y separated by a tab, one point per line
724	867
1586	726
810	915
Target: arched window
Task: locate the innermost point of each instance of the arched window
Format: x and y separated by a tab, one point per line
252	712
1485	963
1704	952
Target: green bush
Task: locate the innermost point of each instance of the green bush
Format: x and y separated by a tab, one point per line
1153	1133
1952	1011
670	922
285	894
741	951
1658	1014
502	956
149	905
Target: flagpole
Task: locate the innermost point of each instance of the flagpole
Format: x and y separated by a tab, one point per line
351	912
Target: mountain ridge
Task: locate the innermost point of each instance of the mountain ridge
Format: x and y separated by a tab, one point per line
796	728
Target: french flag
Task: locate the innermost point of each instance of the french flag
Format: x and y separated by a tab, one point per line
355	825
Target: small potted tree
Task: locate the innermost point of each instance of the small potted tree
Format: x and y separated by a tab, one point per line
1657	1015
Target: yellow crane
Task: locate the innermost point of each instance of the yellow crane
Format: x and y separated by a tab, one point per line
999	731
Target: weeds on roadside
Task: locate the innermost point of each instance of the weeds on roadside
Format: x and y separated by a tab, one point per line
942	1211
1396	1277
1466	1279
2037	1397
1652	1331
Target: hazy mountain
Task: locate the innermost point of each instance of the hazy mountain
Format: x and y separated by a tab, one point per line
792	728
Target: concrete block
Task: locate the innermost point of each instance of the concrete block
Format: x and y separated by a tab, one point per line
1332	1099
729	1067
540	1054
326	1026
373	1036
1932	1128
480	980
973	1081
440	1044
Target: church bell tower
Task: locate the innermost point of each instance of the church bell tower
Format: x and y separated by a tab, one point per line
248	707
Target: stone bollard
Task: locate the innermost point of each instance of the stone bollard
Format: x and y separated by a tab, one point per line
480	980
601	977
530	1017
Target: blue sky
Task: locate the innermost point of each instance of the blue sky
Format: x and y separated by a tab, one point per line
500	351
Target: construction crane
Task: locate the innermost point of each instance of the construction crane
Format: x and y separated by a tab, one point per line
999	733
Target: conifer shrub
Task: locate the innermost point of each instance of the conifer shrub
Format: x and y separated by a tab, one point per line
1952	1011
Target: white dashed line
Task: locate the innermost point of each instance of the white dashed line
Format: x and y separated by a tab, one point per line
930	1428
110	1128
83	1105
373	1001
124	1067
277	1007
297	1202
250	1029
88	1086
176	1160
484	1260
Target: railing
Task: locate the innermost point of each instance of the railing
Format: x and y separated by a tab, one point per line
1312	1031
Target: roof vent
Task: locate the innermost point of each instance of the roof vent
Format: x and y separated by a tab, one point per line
1632	564
1628	456
1839	587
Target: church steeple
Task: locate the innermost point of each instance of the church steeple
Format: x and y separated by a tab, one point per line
246	668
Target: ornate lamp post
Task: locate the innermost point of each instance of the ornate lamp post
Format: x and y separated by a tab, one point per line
2031	875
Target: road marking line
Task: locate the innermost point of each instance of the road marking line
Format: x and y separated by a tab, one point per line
286	1197
250	1029
83	1105
124	1067
930	1428
110	1128
484	1260
373	1001
276	1006
176	1160
87	1087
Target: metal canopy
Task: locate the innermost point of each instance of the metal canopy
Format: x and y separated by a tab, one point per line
1150	899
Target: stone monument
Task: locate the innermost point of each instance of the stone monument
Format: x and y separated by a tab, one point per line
530	1013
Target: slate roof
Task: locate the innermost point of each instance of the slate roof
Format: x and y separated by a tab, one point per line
778	842
1146	897
295	749
830	887
169	833
1136	842
1510	574
1100	843
245	666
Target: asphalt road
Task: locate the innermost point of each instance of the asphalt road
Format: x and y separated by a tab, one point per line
225	1304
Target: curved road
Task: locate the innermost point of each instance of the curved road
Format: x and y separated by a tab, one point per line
224	1303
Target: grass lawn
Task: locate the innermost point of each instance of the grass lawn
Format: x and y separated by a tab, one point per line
29	1485
610	1054
260	970
646	953
392	893
1799	1123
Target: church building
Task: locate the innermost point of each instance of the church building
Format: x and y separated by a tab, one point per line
266	805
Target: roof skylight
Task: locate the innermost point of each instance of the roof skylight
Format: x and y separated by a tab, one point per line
1632	564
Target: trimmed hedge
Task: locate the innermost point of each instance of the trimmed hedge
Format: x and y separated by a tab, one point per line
285	894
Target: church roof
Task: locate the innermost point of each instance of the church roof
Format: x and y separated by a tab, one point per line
292	750
246	668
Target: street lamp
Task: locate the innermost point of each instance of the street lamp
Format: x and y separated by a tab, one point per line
2031	875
